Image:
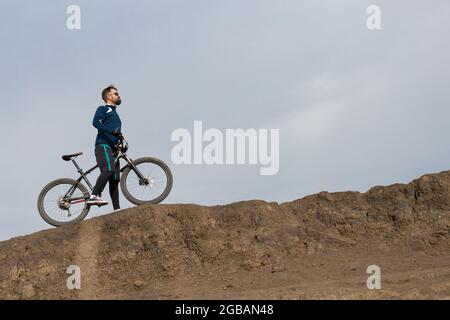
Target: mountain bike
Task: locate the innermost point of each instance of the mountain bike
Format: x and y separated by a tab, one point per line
144	181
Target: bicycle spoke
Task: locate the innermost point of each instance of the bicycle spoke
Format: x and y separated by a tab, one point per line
157	181
52	206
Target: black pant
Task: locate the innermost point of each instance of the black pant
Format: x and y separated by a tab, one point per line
113	187
110	172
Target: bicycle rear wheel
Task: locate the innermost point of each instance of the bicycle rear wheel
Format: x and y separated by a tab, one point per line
154	188
58	208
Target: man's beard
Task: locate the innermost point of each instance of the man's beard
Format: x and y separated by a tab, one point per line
119	101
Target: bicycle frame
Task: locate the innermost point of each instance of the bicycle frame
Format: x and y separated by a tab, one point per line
83	176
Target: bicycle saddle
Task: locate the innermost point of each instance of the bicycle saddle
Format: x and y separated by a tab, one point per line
68	157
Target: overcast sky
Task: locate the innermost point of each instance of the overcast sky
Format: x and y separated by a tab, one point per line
355	108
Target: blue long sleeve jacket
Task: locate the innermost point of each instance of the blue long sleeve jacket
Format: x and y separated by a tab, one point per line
106	120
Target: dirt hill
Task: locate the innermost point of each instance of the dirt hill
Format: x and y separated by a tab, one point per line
316	247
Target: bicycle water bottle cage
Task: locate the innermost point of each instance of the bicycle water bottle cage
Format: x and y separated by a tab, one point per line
68	157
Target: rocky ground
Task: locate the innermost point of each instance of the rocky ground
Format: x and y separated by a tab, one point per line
317	247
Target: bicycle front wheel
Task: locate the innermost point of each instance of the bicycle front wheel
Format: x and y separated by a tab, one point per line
155	186
63	201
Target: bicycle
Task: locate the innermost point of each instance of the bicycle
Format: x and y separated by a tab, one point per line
72	193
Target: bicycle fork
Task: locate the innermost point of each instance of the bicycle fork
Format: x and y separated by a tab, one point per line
142	179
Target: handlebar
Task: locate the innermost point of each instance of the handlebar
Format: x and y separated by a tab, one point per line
122	144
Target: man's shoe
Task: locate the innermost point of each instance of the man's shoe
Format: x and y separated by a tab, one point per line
96	200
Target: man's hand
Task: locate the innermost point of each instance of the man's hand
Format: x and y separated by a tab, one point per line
116	133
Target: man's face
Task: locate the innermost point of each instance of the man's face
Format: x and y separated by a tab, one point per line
115	97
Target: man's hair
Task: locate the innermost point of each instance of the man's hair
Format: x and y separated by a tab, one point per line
106	91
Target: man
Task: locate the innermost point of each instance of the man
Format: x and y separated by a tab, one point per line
109	126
